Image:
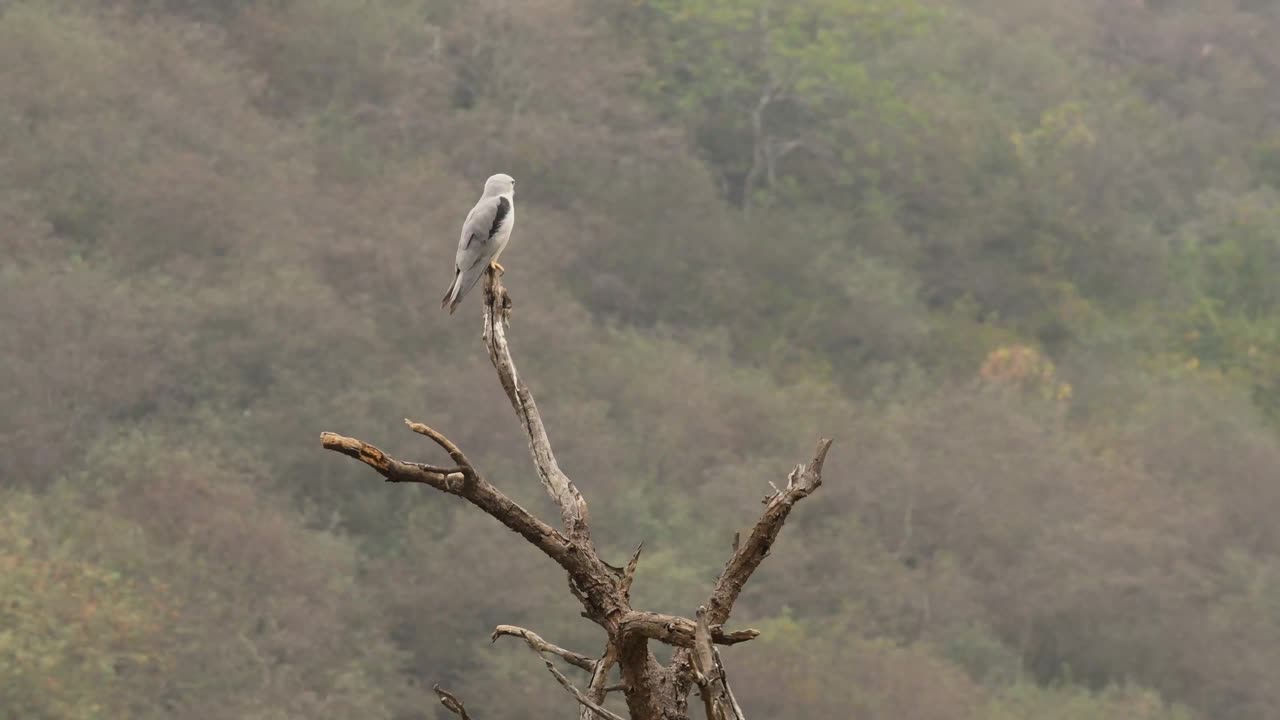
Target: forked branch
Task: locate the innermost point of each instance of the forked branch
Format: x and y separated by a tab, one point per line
578	695
653	692
540	647
465	483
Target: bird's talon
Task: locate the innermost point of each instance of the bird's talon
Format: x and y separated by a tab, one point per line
498	267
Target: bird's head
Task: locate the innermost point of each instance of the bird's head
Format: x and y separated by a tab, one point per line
499	184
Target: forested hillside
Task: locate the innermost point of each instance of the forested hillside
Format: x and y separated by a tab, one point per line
1019	257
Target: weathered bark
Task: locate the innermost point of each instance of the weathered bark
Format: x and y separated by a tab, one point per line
652	692
747	556
541	647
802	481
679	631
536	642
451	703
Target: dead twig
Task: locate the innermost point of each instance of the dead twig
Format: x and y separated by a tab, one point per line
542	646
451	702
444	442
475	489
539	646
577	694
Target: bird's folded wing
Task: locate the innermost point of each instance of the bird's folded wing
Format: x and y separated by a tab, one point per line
477	232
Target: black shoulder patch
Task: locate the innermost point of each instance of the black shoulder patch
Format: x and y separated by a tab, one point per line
504	209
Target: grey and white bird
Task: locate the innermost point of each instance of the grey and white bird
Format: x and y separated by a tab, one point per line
485	234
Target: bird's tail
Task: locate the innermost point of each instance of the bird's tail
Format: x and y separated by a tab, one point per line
462	285
448	294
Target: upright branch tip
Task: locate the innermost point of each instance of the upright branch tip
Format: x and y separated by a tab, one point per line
451	702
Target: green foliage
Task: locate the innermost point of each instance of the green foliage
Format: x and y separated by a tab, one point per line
981	654
1231	318
165	581
1025	702
831	672
78	639
743	74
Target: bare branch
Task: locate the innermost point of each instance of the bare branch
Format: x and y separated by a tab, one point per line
676	630
452	474
473	488
599	589
577	694
597	690
802	481
539	646
390	468
542	646
451	702
573	509
712	709
728	691
443	442
708	672
704	657
747	556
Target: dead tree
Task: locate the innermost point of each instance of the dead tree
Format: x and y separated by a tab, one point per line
652	691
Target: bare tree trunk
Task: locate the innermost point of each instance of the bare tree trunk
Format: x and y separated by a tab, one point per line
652	691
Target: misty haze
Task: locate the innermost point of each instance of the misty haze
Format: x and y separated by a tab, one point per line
1018	259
